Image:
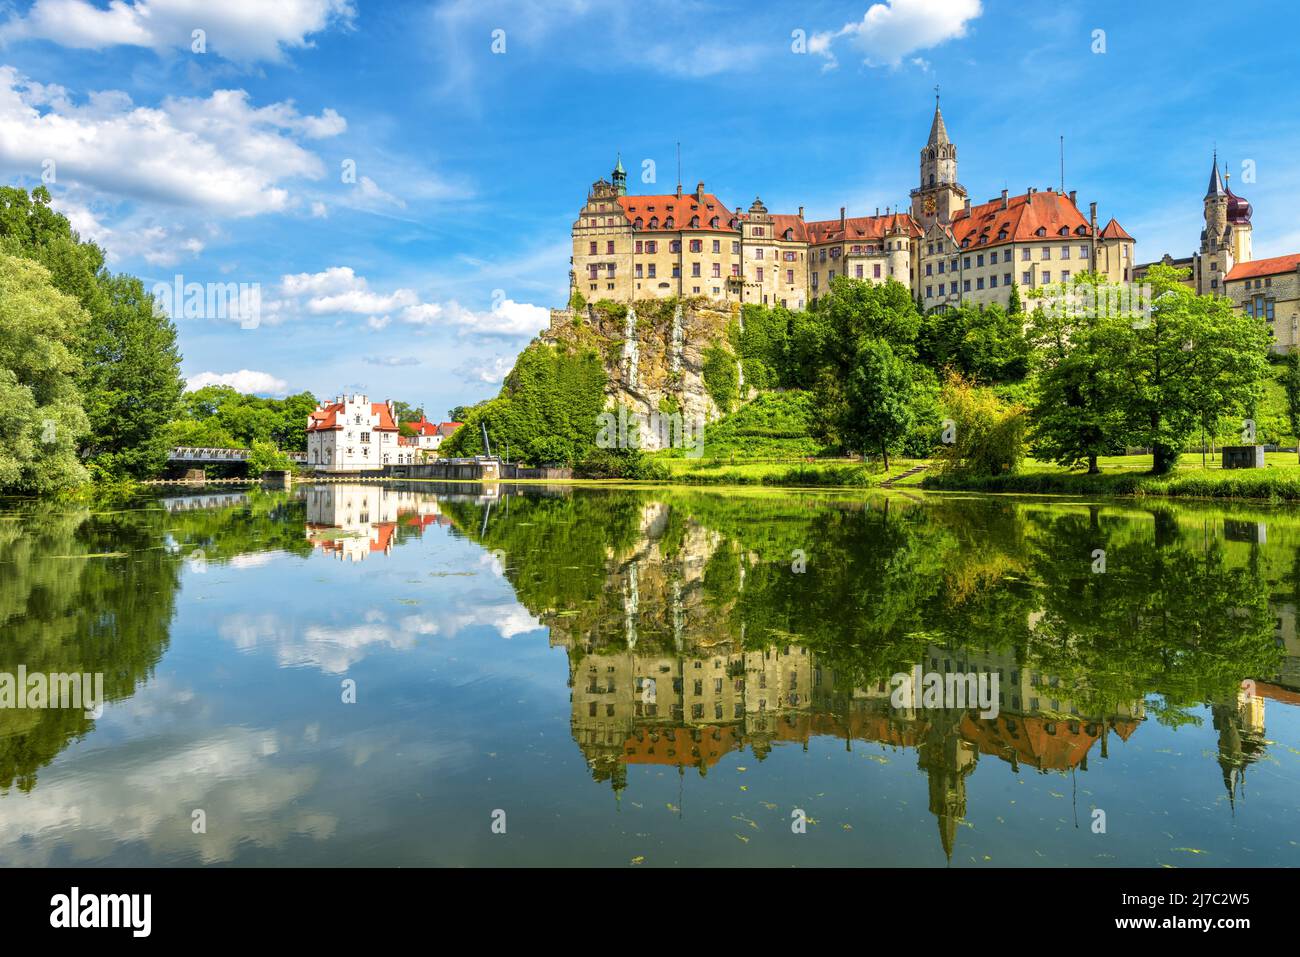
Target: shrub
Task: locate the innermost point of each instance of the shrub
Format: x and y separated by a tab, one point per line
987	434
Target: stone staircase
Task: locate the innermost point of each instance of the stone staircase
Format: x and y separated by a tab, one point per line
902	475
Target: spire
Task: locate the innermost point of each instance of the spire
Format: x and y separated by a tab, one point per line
1216	182
938	132
620	176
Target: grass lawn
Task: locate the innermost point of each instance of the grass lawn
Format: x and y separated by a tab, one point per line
1120	475
792	472
1130	475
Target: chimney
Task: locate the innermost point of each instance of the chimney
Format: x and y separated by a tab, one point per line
1073	193
679	190
967	205
699	191
801	212
841	217
1004	199
877	210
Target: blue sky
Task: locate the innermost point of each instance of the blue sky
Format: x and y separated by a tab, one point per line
422	275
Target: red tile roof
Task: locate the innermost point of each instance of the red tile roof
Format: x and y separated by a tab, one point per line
323	420
423	427
446	428
1021	221
326	419
861	227
1113	230
682	209
1264	267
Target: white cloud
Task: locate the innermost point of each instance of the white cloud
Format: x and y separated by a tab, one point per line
336	279
220	154
339	289
892	30
489	372
507	318
247	381
371	193
240	30
391	361
319	210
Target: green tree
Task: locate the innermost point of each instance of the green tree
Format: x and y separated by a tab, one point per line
264	456
1194	353
43	414
130	367
1291	385
1080	400
131	380
984	434
879	397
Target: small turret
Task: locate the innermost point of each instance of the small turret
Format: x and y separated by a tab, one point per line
619	176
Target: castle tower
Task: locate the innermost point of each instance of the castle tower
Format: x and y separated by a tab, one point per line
619	177
939	196
1214	258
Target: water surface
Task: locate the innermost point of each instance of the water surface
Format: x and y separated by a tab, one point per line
649	677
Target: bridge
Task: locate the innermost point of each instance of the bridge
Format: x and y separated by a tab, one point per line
203	456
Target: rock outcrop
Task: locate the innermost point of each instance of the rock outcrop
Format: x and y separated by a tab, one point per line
653	352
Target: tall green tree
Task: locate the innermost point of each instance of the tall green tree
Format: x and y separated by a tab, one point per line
43	415
879	397
1194	353
1080	403
130	366
1291	385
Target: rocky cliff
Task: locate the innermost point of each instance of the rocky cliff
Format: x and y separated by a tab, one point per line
654	352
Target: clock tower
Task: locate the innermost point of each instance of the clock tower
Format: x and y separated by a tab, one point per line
940	196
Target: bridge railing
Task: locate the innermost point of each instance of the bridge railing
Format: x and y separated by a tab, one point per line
197	454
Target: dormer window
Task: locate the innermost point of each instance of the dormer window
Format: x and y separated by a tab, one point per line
668	223
1064	231
1082	231
789	234
654	222
695	222
637	224
1040	231
714	221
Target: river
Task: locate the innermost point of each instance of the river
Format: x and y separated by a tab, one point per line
462	674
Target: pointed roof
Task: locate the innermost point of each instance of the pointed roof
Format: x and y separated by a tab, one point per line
618	163
1216	181
938	132
1113	230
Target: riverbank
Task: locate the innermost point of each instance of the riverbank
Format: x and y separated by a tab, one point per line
1123	476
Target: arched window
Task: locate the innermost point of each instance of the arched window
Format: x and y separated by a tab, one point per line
668	223
695	222
637	224
714	222
931	179
654	222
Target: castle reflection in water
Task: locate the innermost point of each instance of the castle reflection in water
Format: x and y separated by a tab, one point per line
660	676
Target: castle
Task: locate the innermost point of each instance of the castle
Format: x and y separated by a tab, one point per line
1224	265
943	249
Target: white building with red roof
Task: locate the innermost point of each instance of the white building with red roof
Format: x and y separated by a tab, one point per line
352	434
